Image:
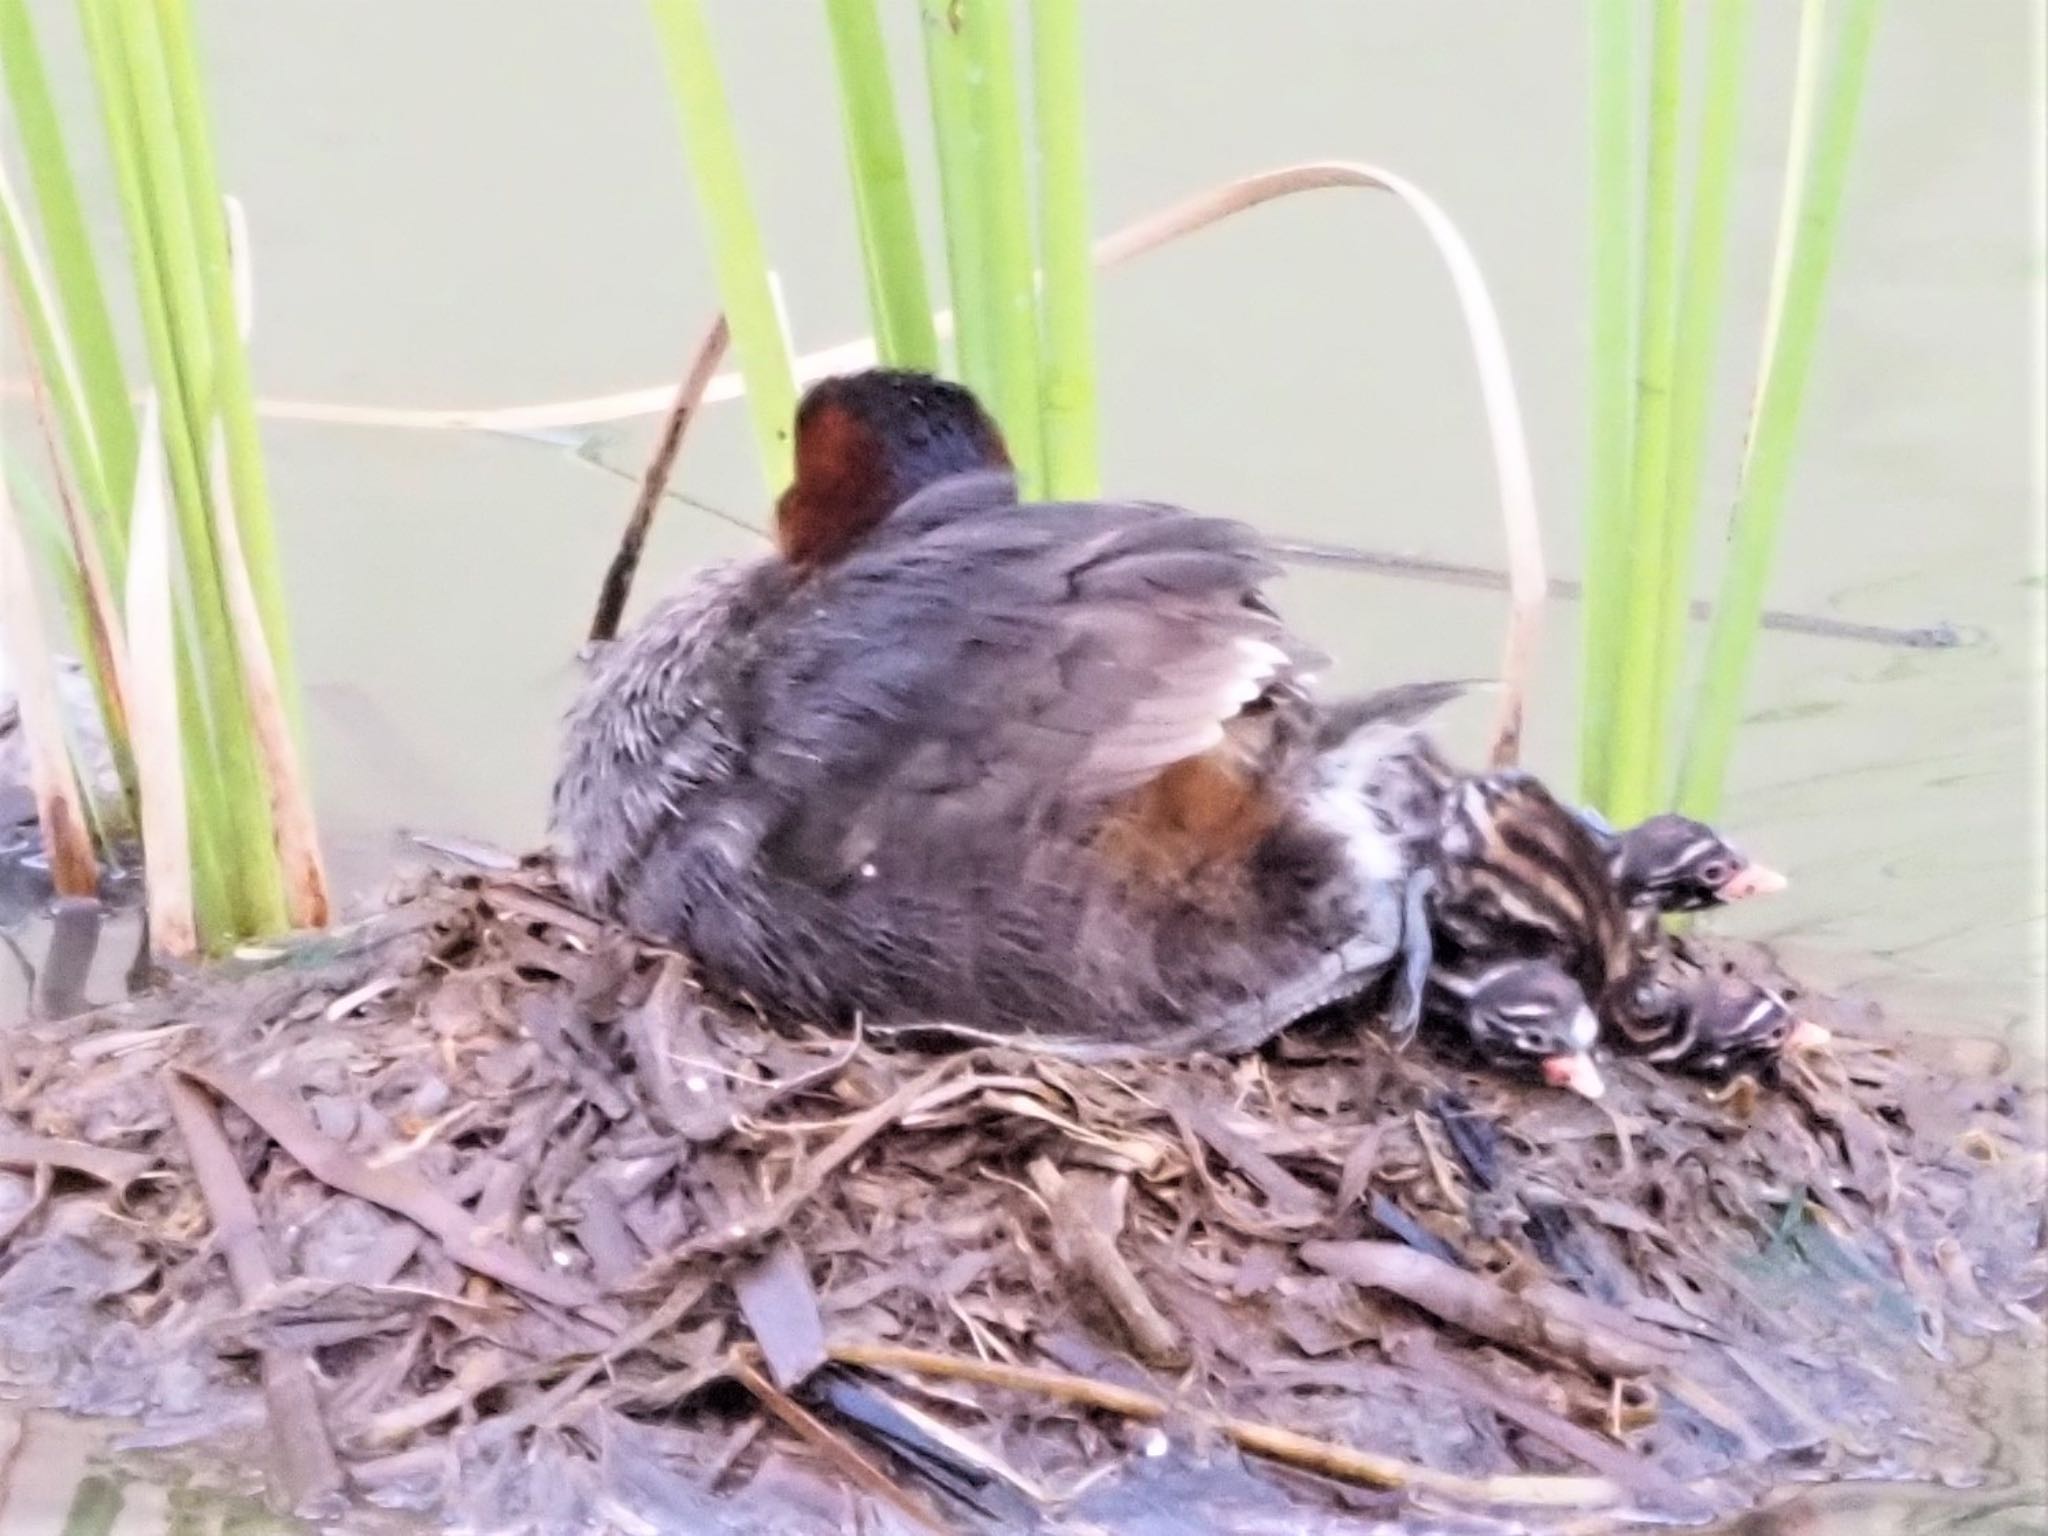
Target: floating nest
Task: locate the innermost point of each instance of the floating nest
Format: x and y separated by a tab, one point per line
483	1210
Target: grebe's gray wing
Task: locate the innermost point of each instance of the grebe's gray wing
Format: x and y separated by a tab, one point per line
964	674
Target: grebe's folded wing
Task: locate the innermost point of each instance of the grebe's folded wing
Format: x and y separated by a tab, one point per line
962	672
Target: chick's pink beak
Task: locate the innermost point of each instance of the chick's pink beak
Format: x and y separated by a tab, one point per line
1575	1072
1751	880
1807	1035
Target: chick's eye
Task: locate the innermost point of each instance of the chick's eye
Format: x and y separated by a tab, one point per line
1716	871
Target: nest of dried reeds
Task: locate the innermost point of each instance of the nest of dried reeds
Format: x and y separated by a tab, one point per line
482	1209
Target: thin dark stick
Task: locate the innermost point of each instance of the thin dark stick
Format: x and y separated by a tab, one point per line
1940	636
618	579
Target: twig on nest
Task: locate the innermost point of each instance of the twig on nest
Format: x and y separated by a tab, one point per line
478	1373
1282	1445
308	1474
1481	1306
107	1164
526	905
1087	1216
551	1406
618	576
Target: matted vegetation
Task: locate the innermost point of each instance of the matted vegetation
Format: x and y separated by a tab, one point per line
557	1236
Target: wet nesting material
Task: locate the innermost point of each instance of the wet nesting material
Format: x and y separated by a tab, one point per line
481	1210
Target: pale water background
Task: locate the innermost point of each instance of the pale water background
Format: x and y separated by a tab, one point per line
464	205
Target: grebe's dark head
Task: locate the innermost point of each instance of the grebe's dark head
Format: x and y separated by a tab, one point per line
1677	864
865	443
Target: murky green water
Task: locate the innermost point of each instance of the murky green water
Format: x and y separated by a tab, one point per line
460	205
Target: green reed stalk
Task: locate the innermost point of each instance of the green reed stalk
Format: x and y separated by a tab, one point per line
46	541
234	396
216	777
44	530
105	473
712	148
1699	320
1613	71
1005	214
199	368
1634	746
203	803
905	336
1067	382
956	135
1809	67
1738	610
248	567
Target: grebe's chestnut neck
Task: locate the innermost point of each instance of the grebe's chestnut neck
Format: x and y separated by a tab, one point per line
865	443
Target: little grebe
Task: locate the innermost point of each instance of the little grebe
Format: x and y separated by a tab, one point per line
1518	874
1672	863
1527	1010
1682	1017
948	757
1713	1024
1519	932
